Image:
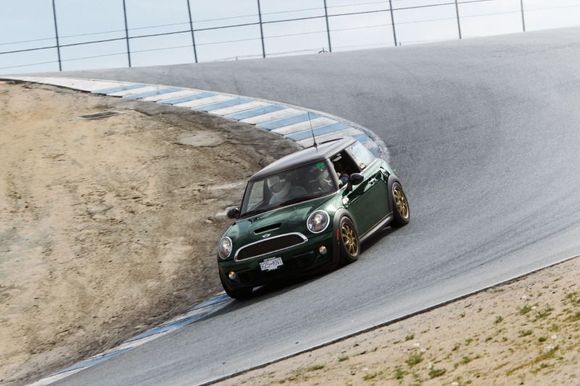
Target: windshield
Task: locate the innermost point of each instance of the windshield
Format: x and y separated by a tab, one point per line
288	187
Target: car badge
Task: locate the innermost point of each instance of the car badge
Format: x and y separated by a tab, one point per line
266	235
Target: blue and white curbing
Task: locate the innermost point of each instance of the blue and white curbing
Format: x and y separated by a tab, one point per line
196	313
291	122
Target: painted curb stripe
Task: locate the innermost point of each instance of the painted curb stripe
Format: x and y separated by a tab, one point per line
319	130
199	102
113	90
239	108
159	91
304	126
198	312
172	95
287	121
221	105
78	84
273	116
215	300
55	378
124	93
284	120
348	132
187	98
254	112
96	360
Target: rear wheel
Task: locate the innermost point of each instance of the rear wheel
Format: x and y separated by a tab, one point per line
349	241
401	211
236	293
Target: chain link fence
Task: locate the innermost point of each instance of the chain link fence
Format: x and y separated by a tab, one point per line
267	28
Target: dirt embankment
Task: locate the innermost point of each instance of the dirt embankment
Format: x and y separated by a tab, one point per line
108	223
523	333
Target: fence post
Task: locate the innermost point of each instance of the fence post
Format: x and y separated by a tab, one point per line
393	22
327	26
458	20
523	16
56	34
261	30
127	34
192	33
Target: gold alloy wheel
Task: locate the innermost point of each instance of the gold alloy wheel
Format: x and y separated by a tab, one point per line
349	239
401	201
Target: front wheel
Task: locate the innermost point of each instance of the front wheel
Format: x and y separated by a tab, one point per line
401	211
236	293
349	241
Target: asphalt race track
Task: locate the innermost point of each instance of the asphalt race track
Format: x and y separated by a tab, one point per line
485	134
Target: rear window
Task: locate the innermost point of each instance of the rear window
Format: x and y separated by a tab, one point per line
362	156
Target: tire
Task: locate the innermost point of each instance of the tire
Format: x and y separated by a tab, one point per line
236	293
401	210
349	242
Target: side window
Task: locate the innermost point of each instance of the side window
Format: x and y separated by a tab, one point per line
362	155
256	196
344	166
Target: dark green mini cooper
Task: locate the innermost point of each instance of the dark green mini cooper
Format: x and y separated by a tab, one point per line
306	212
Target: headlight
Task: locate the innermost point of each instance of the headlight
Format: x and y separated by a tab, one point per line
225	248
317	221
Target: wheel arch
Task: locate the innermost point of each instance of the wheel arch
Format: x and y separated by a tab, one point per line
340	213
392	179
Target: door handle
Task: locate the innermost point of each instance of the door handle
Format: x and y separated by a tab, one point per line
372	181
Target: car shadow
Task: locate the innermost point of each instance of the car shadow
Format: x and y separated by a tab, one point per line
268	291
374	238
261	294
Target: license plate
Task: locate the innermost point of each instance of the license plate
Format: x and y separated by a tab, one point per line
271	264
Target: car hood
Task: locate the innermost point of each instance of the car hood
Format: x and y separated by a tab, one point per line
274	222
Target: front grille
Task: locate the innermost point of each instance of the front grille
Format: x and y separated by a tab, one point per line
274	244
297	265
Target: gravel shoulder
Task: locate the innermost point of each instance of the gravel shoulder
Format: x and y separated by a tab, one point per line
109	212
526	332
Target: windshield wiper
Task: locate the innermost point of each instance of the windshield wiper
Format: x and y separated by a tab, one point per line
253	212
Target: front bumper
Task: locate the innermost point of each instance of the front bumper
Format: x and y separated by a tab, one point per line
299	260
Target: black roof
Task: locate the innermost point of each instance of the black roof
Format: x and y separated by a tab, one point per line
303	157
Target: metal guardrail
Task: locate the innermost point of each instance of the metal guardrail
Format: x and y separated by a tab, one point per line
389	10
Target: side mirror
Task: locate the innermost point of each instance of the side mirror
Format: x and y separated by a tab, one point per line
355	178
233	213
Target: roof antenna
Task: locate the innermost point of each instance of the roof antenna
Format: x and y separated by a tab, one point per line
312	131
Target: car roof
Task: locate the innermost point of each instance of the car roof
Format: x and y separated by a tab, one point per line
305	156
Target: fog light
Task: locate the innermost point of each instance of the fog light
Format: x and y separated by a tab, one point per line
322	250
232	275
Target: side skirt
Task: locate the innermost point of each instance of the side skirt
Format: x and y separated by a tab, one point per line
382	223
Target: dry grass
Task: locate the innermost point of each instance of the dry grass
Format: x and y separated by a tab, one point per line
525	332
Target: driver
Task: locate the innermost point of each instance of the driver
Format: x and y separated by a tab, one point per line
283	189
280	191
319	180
342	176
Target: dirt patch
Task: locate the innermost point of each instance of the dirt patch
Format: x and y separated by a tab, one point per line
109	213
523	333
